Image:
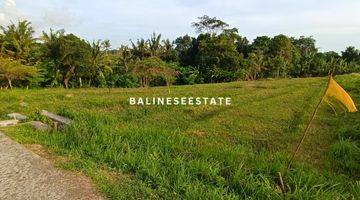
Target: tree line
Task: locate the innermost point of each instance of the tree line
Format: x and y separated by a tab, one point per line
218	54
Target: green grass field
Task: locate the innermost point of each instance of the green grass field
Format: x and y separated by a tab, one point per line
201	152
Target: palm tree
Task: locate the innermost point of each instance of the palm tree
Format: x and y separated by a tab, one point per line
154	44
95	52
95	59
167	51
52	51
256	62
125	56
140	49
106	45
19	39
52	42
3	44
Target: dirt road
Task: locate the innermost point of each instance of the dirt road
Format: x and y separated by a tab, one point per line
25	175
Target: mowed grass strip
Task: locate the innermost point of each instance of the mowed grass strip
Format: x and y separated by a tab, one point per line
201	152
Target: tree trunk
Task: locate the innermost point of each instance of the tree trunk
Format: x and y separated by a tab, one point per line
80	82
10	83
126	67
168	86
66	82
68	76
143	81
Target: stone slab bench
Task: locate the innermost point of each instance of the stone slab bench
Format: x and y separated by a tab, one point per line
40	126
56	118
8	123
17	116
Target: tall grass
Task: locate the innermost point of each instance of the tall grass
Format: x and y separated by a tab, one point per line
202	152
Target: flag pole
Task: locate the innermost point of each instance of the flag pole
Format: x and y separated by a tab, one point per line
307	128
305	132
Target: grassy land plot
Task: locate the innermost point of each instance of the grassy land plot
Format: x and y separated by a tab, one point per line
208	152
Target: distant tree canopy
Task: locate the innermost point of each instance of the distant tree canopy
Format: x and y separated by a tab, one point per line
218	54
208	24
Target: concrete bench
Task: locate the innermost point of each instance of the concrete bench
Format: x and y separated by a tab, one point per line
56	118
40	126
17	116
8	123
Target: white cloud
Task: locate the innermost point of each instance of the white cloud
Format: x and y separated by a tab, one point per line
9	3
9	12
42	14
59	18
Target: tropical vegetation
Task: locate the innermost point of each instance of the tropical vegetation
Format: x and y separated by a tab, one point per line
218	54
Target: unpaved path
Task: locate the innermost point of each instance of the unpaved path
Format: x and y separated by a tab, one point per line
25	175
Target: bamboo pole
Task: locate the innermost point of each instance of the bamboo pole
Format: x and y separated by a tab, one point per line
307	128
281	178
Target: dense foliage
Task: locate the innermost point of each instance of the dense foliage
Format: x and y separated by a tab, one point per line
218	54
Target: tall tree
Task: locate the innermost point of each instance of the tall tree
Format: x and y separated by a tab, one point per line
208	24
306	45
90	72
168	52
256	65
147	69
74	54
125	57
186	48
151	68
13	70
217	57
68	53
243	46
262	43
155	44
351	54
51	57
282	51
18	41
140	49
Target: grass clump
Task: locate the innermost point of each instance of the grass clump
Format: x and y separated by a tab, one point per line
345	157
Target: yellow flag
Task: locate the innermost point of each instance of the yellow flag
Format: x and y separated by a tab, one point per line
336	91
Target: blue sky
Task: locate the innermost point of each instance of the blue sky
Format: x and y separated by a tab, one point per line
334	24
